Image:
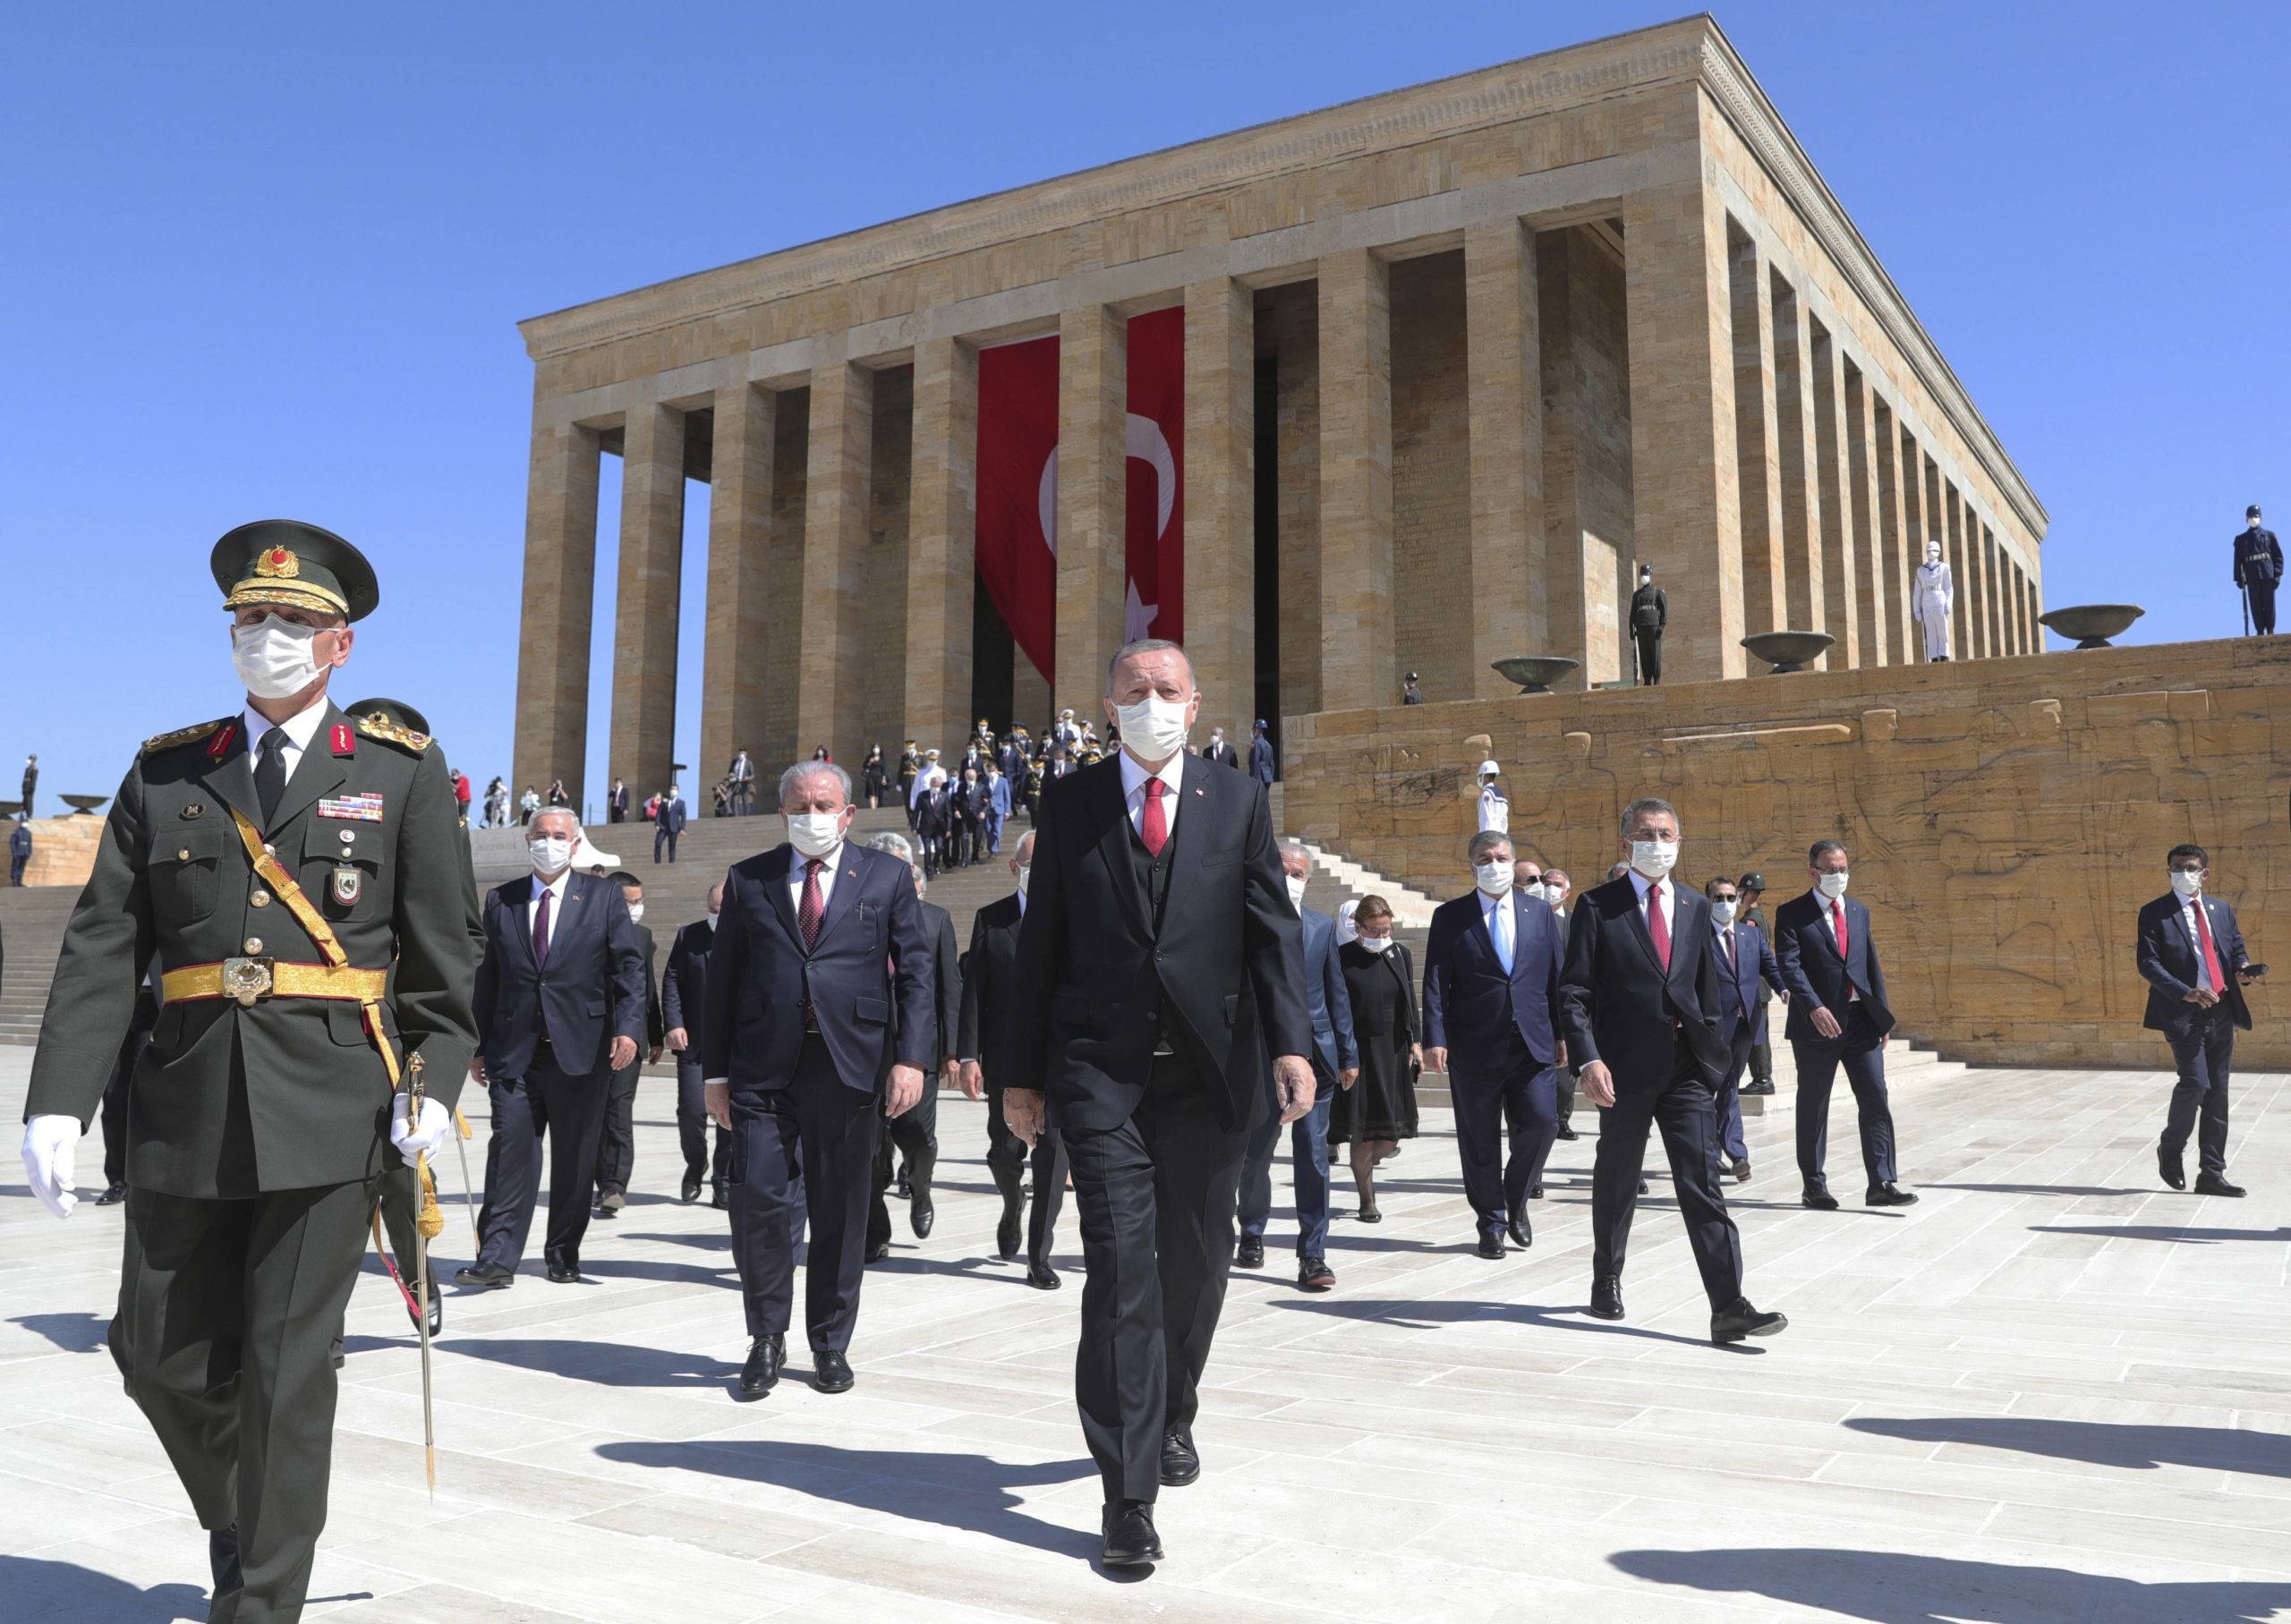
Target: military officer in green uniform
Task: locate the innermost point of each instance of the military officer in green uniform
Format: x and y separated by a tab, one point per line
281	862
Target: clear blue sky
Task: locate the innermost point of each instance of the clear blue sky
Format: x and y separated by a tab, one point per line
269	260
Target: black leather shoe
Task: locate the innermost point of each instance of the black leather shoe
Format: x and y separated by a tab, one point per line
832	1372
2211	1184
1642	1186
565	1274
690	1190
1741	1170
1888	1195
1250	1252
223	1559
1007	1231
485	1277
1370	1215
612	1201
1181	1462
1041	1277
1314	1274
2168	1168
721	1200
1738	1320
921	1214
1565	1132
603	1213
1491	1246
760	1373
1522	1235
437	1312
1819	1200
1757	1088
114	1193
1534	1192
877	1253
1130	1539
1606	1298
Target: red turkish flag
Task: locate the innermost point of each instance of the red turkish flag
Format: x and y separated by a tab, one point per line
1154	538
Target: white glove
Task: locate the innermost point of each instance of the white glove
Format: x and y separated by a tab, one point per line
428	1135
50	1144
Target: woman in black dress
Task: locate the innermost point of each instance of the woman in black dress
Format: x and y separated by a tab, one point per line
875	778
1379	1111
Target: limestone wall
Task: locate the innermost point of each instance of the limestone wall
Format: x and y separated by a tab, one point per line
2007	819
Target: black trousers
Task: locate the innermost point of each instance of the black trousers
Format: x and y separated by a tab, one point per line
228	1316
2262	607
2201	1054
803	1153
691	1122
1862	1052
616	1140
1762	1048
1007	1158
1512	1097
915	1136
662	835
1650	657
1685	1112
571	1111
1156	1196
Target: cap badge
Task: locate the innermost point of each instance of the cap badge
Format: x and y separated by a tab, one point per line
278	563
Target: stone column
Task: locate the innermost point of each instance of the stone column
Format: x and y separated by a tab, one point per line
1841	577
650	597
1993	561
1872	612
1897	521
1686	499
1291	331
1802	520
1961	644
942	543
1503	377
1356	402
552	734
1221	502
739	607
1758	461
831	688
1093	469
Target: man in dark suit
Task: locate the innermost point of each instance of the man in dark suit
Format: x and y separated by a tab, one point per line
1261	766
683	1011
560	1006
1159	963
970	818
2259	570
1839	1016
1640	1002
820	1023
616	1147
1491	1018
1336	1065
2191	953
934	819
982	1044
1221	750
616	803
668	823
915	1133
1748	890
1747	964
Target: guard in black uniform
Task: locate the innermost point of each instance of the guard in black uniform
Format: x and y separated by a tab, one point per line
1650	612
2259	566
281	862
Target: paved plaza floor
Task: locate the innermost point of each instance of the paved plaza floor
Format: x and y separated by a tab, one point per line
2052	1390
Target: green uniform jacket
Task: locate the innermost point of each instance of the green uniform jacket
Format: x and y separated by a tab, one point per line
229	1101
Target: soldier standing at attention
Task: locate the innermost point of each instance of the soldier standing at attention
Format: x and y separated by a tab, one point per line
2259	566
279	862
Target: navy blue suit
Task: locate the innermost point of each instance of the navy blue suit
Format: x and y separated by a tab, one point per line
683	1003
1502	1035
1741	1019
543	1028
1330	1008
668	823
2203	1041
1261	759
1853	989
804	1038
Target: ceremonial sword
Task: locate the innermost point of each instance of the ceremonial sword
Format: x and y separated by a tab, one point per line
428	1223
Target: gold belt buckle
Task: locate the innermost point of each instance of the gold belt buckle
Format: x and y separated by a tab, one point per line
247	979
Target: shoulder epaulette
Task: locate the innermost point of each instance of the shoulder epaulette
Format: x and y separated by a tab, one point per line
183	736
374	725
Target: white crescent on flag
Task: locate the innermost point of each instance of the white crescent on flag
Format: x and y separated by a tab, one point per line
1142	438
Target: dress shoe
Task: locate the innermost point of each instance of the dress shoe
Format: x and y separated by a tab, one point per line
485	1277
1130	1539
1250	1252
437	1312
565	1274
1606	1298
612	1201
921	1214
877	1252
1007	1231
760	1373
1491	1246
1565	1132
1314	1274
1180	1461
1738	1320
1887	1195
1534	1192
1370	1215
1041	1277
689	1192
2211	1184
114	1193
832	1372
2168	1168
603	1213
223	1559
721	1199
1642	1186
1759	1088
1522	1235
1817	1198
1741	1170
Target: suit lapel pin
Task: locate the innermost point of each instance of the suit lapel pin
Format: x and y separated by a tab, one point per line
193	810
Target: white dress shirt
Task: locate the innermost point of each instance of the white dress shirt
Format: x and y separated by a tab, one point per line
796	872
1171	772
555	889
1666	897
301	728
1495	911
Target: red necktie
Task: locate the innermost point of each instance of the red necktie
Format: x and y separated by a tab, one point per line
813	909
1837	918
2211	952
541	929
1657	927
1154	826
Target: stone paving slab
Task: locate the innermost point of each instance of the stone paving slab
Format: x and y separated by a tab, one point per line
2052	1390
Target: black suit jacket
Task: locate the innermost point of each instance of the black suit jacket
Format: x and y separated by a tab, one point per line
1469	1002
934	813
684	985
1815	973
1096	982
1616	1005
946	989
872	951
593	989
1755	969
2168	954
655	1031
981	1034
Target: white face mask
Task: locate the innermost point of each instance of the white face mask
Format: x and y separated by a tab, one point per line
1654	858
1832	886
1154	727
550	854
813	834
1025	869
1493	878
274	657
2188	885
711	915
1534	892
1375	944
635	911
1296	892
1723	911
